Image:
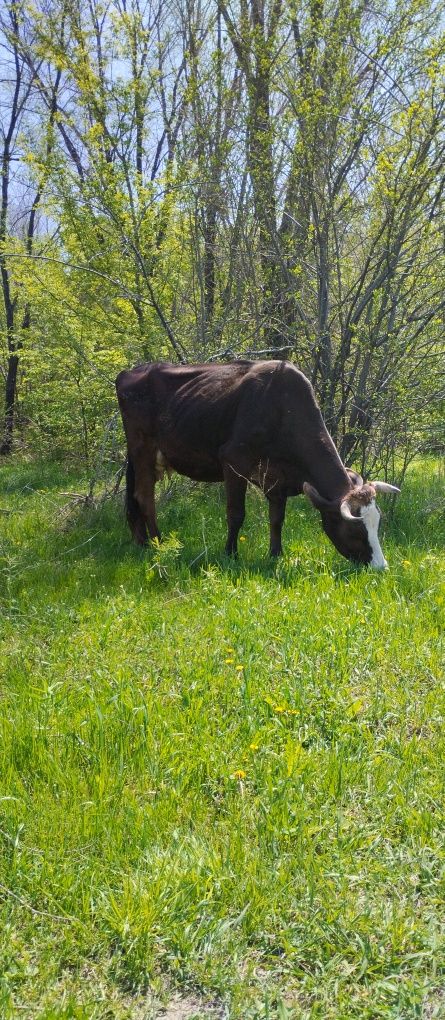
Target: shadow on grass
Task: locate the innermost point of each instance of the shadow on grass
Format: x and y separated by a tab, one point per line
27	479
99	540
95	551
418	517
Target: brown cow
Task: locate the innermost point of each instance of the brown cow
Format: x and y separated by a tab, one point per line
246	421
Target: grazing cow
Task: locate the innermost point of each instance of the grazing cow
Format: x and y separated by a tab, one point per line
246	421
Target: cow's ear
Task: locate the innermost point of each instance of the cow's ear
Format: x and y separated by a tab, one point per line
314	496
356	479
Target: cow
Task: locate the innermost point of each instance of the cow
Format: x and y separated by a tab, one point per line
241	422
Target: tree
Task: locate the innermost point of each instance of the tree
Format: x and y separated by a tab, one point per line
255	177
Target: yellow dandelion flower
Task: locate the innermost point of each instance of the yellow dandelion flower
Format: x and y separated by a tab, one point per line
407	563
228	661
242	538
280	709
239	668
253	747
239	774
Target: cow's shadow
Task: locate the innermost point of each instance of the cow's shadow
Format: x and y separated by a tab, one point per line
98	541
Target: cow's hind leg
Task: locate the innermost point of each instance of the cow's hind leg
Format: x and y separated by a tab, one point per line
236	486
277	510
135	517
141	509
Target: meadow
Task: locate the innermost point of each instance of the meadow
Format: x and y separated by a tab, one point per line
221	783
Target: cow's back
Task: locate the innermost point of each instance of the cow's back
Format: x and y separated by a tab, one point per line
194	403
192	411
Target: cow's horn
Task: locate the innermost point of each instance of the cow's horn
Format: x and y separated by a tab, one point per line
345	511
384	487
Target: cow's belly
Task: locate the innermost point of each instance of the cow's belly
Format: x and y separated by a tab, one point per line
198	472
205	466
277	475
199	467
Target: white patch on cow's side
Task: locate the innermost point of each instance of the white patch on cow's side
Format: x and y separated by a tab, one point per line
371	516
161	466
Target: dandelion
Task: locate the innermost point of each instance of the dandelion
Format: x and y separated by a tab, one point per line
242	538
239	668
407	563
253	747
280	709
239	774
228	661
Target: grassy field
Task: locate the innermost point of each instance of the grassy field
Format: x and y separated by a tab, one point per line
222	785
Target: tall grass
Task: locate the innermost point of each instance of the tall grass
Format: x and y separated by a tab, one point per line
216	776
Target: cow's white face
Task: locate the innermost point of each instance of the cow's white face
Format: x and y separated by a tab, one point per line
352	524
370	516
351	536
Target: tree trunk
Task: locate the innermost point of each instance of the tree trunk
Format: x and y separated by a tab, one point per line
10	392
263	184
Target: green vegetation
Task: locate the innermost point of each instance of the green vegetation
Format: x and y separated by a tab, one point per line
220	780
226	778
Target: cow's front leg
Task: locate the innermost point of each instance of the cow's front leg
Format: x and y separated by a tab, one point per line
277	510
236	486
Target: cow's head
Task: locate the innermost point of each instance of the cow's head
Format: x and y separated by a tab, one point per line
352	523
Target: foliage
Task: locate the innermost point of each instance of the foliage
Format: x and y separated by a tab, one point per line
210	180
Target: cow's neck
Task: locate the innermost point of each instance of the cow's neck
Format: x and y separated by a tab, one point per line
328	474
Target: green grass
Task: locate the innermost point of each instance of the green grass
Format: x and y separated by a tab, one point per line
225	778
